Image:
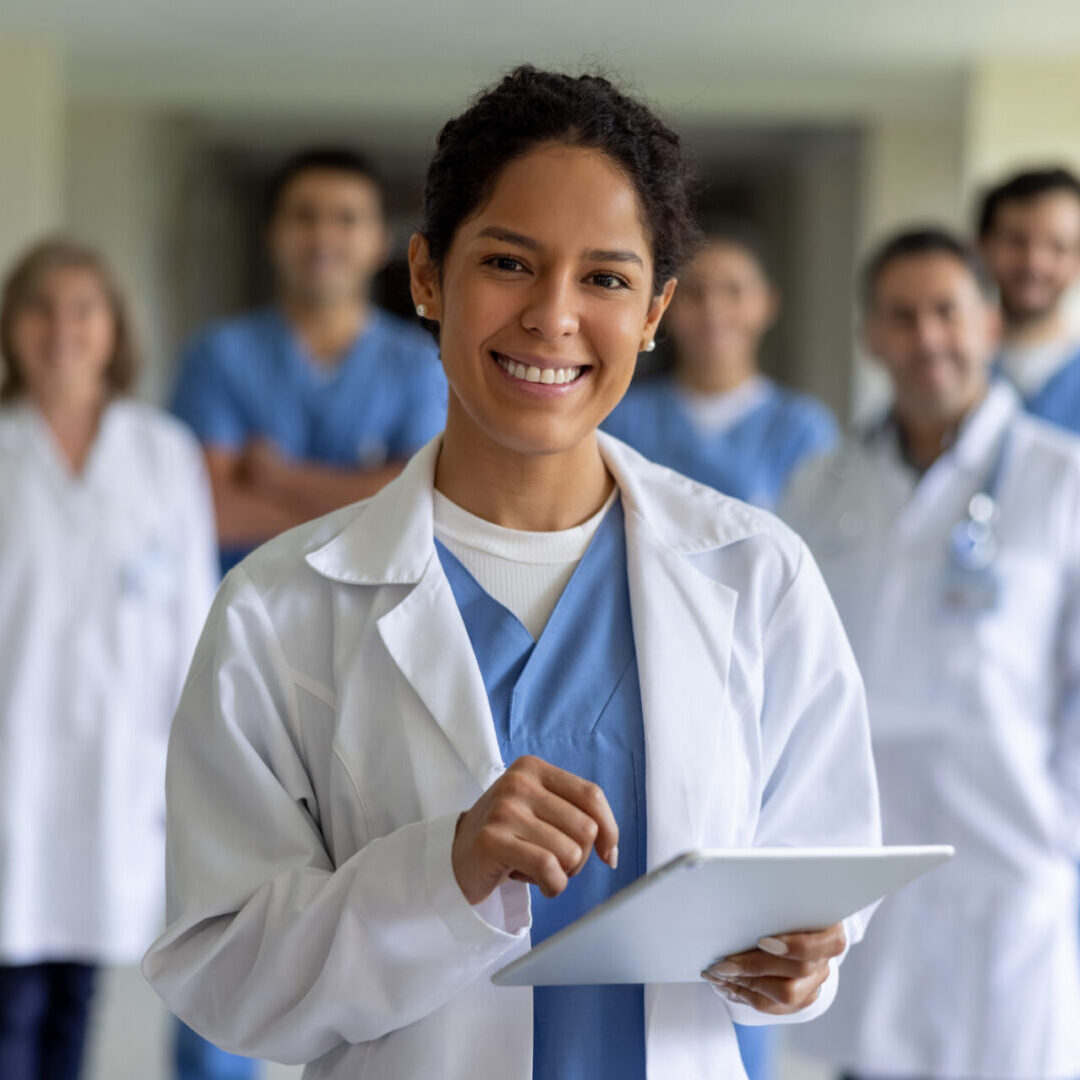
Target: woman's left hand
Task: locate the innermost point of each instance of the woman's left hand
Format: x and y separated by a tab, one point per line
783	975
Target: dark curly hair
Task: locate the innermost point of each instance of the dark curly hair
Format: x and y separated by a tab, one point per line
1023	187
529	107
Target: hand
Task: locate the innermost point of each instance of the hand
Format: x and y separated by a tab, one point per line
260	462
783	974
536	824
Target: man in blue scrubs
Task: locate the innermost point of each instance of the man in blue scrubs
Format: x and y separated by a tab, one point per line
715	417
318	400
1029	235
309	404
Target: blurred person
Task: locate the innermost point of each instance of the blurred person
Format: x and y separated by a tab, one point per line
318	400
107	570
716	418
947	533
417	738
1029	235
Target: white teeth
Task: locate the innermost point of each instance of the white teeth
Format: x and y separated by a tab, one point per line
547	376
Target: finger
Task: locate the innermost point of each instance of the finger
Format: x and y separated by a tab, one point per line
756	964
589	798
791	993
535	864
745	995
569	820
808	945
532	830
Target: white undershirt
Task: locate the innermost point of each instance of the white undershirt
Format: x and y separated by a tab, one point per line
716	412
1031	367
525	571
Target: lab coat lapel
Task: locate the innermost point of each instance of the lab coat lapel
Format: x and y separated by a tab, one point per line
682	629
391	542
427	638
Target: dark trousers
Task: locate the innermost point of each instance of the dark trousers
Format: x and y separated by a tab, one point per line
43	1014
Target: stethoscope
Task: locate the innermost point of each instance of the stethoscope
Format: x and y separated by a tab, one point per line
973	545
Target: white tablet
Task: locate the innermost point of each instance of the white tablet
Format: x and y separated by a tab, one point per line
704	905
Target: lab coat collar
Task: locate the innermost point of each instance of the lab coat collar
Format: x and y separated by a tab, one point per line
979	433
390	539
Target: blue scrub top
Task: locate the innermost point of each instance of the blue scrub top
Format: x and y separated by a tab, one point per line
1058	401
249	377
750	460
572	697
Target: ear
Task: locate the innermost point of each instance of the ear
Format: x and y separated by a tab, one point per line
424	278
656	311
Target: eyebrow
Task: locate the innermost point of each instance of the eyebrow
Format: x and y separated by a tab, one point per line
508	236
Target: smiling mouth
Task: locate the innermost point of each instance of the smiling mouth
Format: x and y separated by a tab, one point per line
548	376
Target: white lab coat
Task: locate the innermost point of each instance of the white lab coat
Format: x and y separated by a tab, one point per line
973	971
335	725
105	580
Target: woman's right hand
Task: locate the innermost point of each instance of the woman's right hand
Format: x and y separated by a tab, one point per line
536	824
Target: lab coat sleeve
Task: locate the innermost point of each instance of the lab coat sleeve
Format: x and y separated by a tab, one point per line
271	949
820	784
197	544
1066	755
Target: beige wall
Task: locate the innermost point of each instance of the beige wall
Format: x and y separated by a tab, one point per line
126	168
32	135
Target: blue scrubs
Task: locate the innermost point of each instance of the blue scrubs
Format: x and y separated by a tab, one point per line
572	698
1058	401
750	460
250	378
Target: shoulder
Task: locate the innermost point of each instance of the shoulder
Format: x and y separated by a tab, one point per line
413	343
226	339
160	441
1047	447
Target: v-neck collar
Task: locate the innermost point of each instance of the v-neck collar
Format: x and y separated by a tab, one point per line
50	453
311	370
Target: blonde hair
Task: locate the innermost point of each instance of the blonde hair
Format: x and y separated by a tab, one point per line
24	278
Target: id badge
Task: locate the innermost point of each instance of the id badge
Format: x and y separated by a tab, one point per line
968	592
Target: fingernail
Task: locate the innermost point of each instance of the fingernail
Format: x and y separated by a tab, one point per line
613	858
724	967
773	945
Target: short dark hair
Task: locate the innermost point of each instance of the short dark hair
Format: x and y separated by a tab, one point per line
20	285
529	107
929	240
319	159
742	235
1022	187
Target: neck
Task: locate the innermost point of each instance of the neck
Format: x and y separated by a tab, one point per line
327	329
718	377
533	492
1040	330
924	438
74	423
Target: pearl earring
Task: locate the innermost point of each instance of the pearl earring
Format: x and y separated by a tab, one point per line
650	346
421	310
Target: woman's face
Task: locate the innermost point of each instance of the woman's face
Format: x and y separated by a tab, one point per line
724	306
64	335
544	301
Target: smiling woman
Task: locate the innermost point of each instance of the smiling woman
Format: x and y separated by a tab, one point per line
429	729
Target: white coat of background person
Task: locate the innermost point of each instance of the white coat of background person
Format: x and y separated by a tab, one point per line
965	619
107	570
351	855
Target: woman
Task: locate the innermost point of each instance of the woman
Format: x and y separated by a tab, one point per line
716	418
410	724
106	573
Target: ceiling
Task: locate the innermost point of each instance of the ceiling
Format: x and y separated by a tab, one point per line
404	57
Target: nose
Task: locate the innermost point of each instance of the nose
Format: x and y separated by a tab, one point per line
930	333
551	310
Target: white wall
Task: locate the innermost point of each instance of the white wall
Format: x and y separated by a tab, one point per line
32	137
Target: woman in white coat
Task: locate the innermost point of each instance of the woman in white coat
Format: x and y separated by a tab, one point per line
433	727
106	574
948	536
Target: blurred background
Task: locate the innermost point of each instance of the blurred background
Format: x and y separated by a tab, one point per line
149	128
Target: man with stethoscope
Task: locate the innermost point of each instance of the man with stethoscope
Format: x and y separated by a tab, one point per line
947	533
